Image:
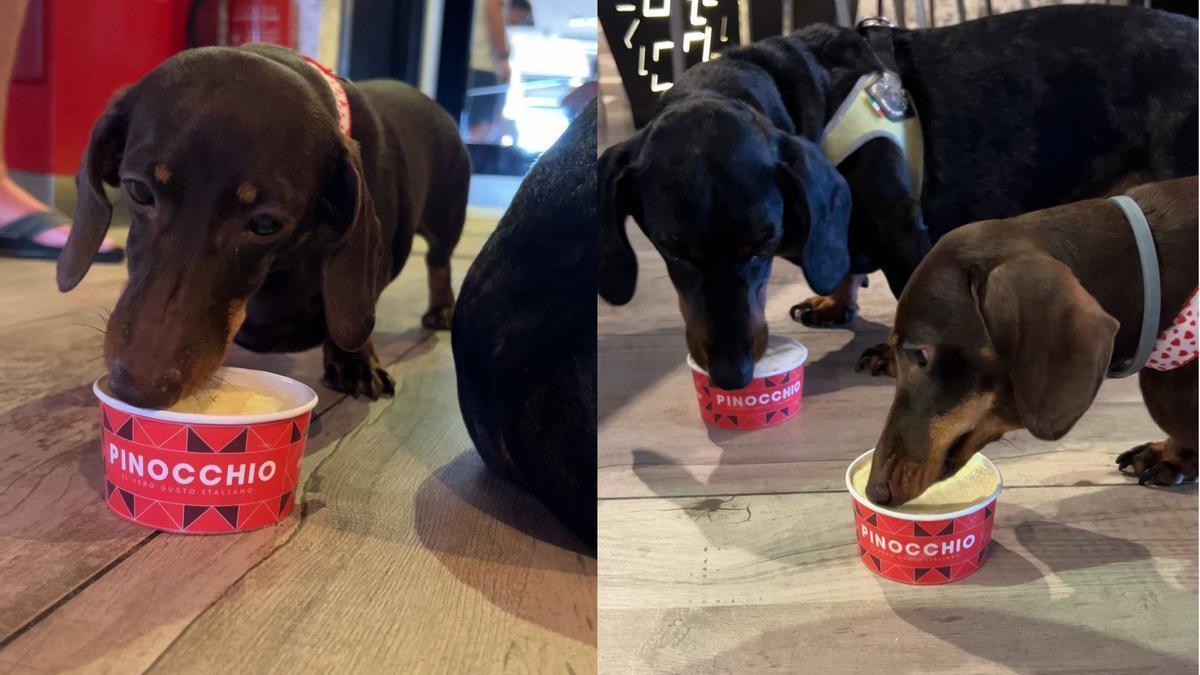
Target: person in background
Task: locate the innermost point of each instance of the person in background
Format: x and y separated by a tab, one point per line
489	66
28	228
519	13
576	101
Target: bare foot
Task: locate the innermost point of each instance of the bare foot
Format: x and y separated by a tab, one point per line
16	202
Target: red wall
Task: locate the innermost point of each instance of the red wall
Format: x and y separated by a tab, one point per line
88	48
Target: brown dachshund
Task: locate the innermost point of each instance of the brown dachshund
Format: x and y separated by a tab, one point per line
257	219
1014	323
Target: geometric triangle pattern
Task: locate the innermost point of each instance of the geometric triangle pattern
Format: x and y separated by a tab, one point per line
765	402
197	478
924	552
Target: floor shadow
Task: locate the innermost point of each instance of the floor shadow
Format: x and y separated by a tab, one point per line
469	479
1009	643
1044	544
834	371
50	444
616	387
1024	644
333	428
465	516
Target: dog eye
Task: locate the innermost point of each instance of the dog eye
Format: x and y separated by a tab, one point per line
139	192
917	355
746	252
264	225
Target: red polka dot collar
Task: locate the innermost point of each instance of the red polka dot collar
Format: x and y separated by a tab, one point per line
1176	346
339	94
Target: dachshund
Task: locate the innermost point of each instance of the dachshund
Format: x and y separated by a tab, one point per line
1017	112
1011	324
524	336
258	219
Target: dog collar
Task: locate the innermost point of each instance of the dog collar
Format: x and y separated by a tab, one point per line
867	113
1151	291
340	100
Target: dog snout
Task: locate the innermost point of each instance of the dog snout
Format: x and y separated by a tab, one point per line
731	372
879	490
144	390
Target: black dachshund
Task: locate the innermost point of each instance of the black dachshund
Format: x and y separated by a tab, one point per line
524	334
1018	112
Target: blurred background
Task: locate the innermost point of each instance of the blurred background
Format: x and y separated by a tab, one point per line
513	72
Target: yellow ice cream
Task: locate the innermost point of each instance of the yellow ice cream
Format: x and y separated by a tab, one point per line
225	399
971	485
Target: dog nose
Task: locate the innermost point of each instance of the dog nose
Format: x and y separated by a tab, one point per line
155	392
732	373
879	491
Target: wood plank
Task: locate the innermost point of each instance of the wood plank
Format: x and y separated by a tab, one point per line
411	558
730	552
652	440
55	534
1082	579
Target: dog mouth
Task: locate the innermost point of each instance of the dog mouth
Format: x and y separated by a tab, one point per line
955	457
895	490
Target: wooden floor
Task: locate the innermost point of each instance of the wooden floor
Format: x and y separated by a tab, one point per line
734	552
406	554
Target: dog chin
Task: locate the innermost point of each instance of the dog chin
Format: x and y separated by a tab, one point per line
275	338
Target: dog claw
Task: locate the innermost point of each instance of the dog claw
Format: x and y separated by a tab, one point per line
438	318
878	360
357	374
1160	463
822	312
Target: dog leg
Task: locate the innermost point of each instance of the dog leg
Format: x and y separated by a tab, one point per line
356	373
442	228
441	297
1159	463
831	311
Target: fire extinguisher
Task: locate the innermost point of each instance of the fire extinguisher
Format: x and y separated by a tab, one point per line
237	22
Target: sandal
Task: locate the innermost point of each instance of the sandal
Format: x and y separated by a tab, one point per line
16	238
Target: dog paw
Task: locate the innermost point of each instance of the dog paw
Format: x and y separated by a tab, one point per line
359	377
438	318
878	360
823	311
1159	463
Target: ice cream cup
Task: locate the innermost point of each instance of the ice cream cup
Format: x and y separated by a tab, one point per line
205	474
772	397
927	548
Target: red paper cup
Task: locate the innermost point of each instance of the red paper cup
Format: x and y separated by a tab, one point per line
193	473
923	549
772	397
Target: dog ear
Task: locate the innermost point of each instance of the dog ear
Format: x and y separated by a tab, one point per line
817	200
1053	337
350	276
617	273
93	211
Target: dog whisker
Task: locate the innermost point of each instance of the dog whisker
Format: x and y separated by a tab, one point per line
102	331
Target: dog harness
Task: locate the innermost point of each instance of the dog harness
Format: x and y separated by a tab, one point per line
877	107
1175	346
340	100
